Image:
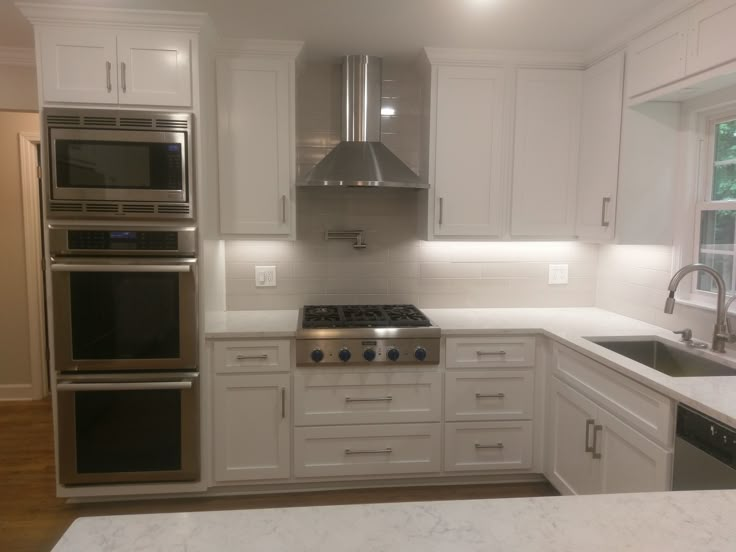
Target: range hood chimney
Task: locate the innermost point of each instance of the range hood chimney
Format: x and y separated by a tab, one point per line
360	159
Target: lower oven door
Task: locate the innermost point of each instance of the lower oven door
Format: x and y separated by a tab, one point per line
119	314
122	429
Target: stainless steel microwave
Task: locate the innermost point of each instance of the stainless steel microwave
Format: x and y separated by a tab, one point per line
118	164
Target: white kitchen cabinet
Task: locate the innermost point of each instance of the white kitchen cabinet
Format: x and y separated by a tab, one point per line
485	446
546	153
101	66
251	427
658	58
489	395
600	140
255	104
467	143
711	40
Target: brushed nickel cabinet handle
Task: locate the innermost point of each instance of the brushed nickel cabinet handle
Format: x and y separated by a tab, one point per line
588	424
283	403
283	209
388	398
490	396
496	446
123	82
251	357
604	212
491	353
442	209
387	450
596	455
108	68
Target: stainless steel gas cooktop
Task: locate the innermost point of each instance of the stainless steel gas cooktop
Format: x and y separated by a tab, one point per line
366	335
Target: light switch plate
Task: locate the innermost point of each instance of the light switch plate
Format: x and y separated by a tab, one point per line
558	274
265	276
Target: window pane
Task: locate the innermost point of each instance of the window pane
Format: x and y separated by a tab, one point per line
724	173
717	246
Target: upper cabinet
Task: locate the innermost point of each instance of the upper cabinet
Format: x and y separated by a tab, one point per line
100	66
546	142
712	40
256	146
466	141
600	141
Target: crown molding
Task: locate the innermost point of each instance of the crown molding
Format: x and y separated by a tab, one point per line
52	14
521	58
19	57
256	46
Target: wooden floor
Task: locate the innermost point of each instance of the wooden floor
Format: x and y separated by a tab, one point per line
32	518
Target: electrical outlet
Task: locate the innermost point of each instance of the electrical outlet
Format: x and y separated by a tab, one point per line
558	274
265	276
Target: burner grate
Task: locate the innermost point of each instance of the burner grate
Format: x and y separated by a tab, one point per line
363	316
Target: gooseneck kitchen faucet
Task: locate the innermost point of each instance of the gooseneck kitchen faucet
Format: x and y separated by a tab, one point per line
721	333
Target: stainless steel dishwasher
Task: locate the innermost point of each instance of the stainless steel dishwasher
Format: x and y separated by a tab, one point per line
705	453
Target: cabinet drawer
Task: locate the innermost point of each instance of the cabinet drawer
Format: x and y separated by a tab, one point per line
640	407
352	398
475	446
252	356
489	352
366	450
496	395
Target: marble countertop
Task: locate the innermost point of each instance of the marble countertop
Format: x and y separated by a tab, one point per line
246	324
648	522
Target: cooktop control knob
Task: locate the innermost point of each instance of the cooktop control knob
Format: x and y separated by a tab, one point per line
344	354
317	355
420	353
393	354
369	355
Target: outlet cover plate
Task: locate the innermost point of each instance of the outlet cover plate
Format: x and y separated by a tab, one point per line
558	274
265	276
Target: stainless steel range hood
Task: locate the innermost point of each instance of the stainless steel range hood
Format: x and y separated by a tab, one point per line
361	159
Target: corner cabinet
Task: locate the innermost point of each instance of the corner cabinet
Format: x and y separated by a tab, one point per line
466	139
256	130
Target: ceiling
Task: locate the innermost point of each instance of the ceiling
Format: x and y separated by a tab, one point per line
390	27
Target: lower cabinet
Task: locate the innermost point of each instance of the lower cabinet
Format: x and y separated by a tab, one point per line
590	451
251	427
481	446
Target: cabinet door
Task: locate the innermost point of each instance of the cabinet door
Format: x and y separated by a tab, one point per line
711	41
78	66
630	463
255	145
570	427
155	68
599	148
468	156
251	427
657	58
546	153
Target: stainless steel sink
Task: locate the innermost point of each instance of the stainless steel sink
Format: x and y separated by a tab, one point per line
668	359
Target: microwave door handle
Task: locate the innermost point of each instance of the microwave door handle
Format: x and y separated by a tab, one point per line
131	386
72	267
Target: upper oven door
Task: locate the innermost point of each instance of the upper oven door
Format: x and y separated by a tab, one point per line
124	314
118	165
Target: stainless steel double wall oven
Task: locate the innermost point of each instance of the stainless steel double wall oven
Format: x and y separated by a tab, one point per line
123	276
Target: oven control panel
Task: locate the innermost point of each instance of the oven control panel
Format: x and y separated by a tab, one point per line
123	241
341	352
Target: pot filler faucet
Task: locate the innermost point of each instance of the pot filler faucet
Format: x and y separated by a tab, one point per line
721	331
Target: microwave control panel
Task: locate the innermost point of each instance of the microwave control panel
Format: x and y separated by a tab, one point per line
103	240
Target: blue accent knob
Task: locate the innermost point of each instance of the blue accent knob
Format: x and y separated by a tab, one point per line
393	354
344	355
420	353
369	355
317	355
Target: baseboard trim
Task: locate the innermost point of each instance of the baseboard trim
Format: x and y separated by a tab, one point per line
16	392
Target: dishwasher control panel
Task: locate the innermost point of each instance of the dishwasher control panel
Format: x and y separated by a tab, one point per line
707	434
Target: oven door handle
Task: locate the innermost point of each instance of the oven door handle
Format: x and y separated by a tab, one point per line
73	267
129	386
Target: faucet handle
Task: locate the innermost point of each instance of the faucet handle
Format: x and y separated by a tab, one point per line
687	334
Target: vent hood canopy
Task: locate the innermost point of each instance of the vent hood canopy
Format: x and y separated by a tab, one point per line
361	159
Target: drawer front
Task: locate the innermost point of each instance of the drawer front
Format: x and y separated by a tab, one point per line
489	352
366	450
351	398
494	395
637	405
484	446
252	356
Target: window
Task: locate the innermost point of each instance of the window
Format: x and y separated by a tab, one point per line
716	207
